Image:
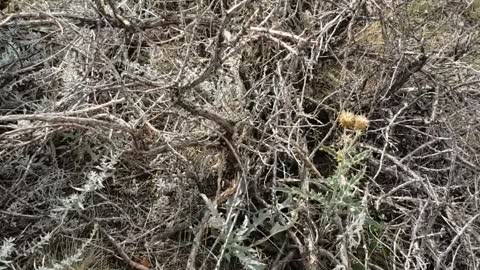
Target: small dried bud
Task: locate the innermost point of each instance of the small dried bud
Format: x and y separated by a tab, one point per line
361	123
347	120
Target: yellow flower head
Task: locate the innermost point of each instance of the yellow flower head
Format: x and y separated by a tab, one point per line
347	120
360	123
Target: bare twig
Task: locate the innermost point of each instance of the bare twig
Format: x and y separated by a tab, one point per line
460	233
59	118
196	242
226	124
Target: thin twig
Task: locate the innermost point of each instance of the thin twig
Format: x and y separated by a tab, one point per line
442	256
196	242
57	117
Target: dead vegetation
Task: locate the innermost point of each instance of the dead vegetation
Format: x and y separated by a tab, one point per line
239	134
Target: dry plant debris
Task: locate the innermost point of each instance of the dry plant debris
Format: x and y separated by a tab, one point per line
239	134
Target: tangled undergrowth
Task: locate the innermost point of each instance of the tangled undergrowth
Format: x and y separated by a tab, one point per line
239	134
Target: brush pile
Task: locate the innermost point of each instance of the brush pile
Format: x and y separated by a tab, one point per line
227	134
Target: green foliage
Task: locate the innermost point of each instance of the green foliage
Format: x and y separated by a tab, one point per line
420	7
474	10
341	187
236	242
338	196
377	252
74	259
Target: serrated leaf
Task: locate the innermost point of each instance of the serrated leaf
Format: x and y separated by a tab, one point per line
261	217
277	228
80	205
210	205
246	256
244	231
288	203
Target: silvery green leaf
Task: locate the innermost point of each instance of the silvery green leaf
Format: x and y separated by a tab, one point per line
277	228
210	205
216	222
